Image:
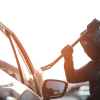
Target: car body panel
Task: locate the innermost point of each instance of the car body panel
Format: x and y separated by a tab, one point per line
13	87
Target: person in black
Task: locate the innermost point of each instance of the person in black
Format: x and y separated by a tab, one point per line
91	71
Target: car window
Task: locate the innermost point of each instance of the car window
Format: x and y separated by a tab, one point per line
7	55
6	52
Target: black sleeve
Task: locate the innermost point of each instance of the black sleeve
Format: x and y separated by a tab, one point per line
83	74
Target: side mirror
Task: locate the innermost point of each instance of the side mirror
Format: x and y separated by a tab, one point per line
53	88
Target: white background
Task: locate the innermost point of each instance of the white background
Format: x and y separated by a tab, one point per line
45	27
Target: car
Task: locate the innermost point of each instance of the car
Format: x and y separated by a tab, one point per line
51	90
34	80
14	83
12	88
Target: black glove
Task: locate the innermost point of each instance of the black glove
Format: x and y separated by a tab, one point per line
67	51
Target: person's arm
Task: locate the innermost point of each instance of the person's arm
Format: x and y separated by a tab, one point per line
73	76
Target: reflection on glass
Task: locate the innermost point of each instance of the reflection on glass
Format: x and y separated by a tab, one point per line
54	88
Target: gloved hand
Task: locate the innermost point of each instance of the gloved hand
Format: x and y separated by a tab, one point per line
67	52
